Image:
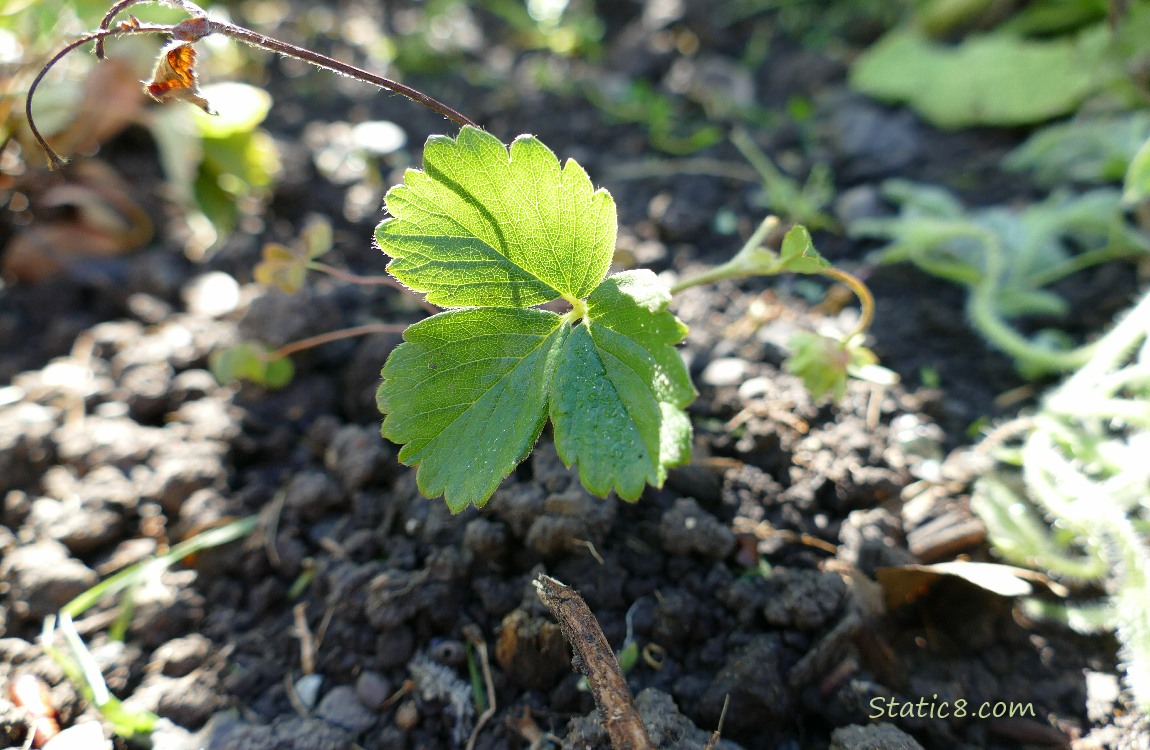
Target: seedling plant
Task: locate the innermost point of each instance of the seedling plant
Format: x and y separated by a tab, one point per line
515	248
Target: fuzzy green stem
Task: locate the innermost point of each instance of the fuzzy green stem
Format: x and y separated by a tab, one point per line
54	159
736	267
866	300
983	314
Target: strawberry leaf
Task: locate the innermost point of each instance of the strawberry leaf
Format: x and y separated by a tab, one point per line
620	389
486	226
496	231
466	393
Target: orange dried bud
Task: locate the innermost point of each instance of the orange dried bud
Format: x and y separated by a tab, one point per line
174	76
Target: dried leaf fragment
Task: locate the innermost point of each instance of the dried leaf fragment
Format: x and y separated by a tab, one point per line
174	77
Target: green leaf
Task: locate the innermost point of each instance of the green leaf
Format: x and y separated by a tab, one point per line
253	363
992	79
281	267
1136	187
620	389
496	231
486	226
798	254
821	362
467	396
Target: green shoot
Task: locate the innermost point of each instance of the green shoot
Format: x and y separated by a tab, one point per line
1007	259
77	661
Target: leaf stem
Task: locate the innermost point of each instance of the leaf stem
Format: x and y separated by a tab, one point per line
326	338
127	27
750	261
866	300
200	26
354	278
736	267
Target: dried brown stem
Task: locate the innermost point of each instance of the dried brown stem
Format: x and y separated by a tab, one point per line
125	28
256	39
596	660
200	26
326	338
190	8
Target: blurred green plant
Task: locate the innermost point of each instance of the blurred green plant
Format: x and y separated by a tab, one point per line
1042	63
782	194
1093	149
816	23
659	113
1008	259
1069	495
78	663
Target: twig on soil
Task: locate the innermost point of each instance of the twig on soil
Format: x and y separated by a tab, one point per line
307	645
475	638
590	548
595	659
718	733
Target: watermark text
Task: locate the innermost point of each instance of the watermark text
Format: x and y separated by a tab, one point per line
936	708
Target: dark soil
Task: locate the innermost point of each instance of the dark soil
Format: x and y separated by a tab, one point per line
749	577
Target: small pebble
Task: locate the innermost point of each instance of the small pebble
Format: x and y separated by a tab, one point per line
373	690
342	707
725	371
407	715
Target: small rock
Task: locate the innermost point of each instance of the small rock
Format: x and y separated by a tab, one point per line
26	446
191	385
342	708
42	578
353	455
188	701
802	599
307	689
485	538
213	294
725	371
88	735
874	141
175	476
687	529
858	203
667	728
290	733
95	440
180	656
372	689
407	715
881	736
753	677
147	387
312	494
1102	693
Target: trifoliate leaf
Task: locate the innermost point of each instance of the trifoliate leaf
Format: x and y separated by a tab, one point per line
482	225
467	396
620	388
